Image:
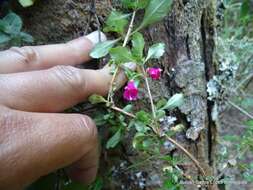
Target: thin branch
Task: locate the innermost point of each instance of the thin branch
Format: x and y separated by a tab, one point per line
240	109
194	160
123	112
243	82
130	28
149	92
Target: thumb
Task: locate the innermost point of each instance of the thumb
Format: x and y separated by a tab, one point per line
36	144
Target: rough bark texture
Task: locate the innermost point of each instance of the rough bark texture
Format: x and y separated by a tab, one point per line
189	35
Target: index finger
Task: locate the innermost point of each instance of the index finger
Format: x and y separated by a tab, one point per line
30	58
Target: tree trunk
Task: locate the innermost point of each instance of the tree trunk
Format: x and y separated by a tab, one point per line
189	33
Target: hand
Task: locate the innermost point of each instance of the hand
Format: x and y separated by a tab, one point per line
35	81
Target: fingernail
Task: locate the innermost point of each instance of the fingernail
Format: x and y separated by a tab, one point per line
96	36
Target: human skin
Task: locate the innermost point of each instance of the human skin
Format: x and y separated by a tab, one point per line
36	83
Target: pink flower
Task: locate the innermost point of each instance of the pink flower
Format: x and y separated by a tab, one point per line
130	91
154	73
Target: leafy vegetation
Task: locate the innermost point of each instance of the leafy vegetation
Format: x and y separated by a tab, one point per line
10	30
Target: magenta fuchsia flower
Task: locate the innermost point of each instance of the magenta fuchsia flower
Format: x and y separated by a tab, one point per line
154	73
130	91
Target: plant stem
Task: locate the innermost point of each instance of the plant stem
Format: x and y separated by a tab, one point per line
130	28
123	112
240	109
149	92
194	160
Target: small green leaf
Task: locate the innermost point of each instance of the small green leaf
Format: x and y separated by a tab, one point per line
26	3
26	37
4	38
160	114
96	99
155	11
13	23
102	49
114	140
135	4
245	9
128	108
116	22
138	45
138	138
121	55
141	127
249	123
143	117
156	51
175	101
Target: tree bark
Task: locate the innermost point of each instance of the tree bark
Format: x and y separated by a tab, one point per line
188	32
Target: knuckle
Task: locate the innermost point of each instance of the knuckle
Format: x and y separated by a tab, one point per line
27	54
69	76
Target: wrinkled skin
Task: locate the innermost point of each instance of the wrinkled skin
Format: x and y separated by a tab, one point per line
36	83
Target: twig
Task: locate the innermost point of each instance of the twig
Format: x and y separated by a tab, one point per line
123	112
194	160
240	109
130	28
149	92
131	25
110	94
243	81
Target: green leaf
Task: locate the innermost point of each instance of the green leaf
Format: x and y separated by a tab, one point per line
96	99
102	49
26	37
138	45
156	51
249	123
116	22
155	11
175	101
135	4
143	116
4	38
13	23
121	55
26	3
114	140
141	127
245	9
160	114
2	26
128	108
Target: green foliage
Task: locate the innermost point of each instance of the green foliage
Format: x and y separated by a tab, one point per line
116	22
174	102
135	4
121	55
102	49
26	3
96	99
155	11
155	51
114	140
138	44
10	30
